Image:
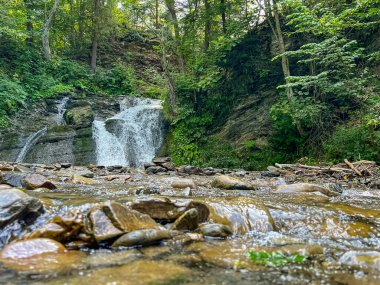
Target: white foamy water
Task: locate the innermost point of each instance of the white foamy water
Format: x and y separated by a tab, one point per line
131	137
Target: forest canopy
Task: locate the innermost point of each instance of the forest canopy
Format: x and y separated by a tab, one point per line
317	61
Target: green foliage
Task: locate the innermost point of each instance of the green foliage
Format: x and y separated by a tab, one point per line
118	80
353	143
275	258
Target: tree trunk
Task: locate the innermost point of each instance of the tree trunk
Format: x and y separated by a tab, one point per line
281	45
95	34
207	25
223	6
29	23
170	4
46	30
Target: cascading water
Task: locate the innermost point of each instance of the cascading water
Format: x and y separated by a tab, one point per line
61	108
31	141
131	137
33	138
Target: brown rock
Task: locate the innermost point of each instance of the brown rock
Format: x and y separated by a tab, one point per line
34	181
117	178
142	237
183	183
230	183
165	209
102	227
187	221
78	179
29	248
216	230
6	167
127	219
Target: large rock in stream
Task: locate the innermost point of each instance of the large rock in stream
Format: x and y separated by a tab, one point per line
34	181
111	219
17	205
164	209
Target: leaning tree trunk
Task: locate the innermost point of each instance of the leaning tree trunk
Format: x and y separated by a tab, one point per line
46	30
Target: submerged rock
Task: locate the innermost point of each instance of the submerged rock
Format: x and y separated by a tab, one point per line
365	259
34	181
187	221
142	237
140	272
168	210
216	230
230	183
241	214
17	205
305	188
39	256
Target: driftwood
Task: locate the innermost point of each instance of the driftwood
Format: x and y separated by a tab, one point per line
350	165
359	168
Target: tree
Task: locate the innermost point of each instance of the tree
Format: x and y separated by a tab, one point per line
46	30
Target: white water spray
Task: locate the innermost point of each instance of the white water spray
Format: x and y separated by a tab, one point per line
131	137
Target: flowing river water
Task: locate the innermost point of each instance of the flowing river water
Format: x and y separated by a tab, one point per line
339	235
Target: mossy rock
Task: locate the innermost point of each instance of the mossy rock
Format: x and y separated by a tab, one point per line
80	117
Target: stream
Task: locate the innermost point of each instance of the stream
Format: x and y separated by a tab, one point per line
339	235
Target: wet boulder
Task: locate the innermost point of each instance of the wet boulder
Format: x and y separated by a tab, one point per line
230	183
64	228
17	205
34	181
111	219
306	188
187	221
216	230
102	227
29	248
183	183
142	237
155	169
164	209
12	179
39	256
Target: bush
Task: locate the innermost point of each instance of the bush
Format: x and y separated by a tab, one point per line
353	143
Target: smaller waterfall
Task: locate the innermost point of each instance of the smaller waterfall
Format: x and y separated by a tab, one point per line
61	107
33	138
131	137
31	141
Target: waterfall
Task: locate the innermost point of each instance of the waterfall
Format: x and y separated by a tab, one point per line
131	137
33	138
61	108
31	141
